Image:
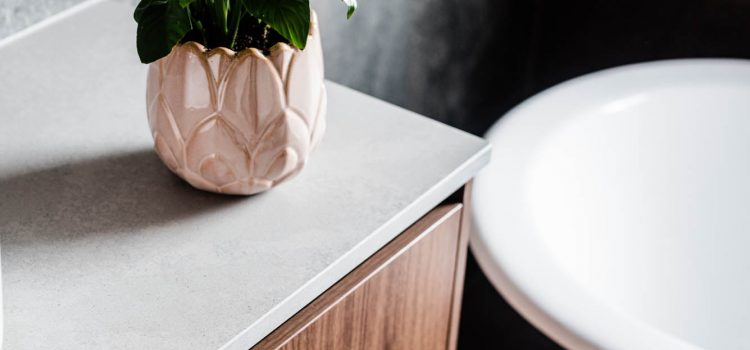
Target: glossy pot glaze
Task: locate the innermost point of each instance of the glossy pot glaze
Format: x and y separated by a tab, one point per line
237	122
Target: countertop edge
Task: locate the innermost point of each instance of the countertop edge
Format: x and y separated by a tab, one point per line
288	307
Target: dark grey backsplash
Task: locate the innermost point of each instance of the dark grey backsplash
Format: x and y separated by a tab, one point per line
421	55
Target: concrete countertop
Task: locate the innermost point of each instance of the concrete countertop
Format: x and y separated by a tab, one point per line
102	247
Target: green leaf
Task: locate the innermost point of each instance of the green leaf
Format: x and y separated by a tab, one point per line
290	18
352	6
161	25
186	3
143	5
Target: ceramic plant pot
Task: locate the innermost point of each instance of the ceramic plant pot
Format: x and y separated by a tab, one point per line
237	123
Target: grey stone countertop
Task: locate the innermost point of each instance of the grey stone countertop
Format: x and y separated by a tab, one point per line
103	248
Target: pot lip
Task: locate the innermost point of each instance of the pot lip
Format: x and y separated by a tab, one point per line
276	49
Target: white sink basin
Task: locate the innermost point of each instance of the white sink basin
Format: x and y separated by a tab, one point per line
616	210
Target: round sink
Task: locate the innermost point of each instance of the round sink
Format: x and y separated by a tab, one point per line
615	212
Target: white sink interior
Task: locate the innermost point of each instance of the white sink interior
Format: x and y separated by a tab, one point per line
626	192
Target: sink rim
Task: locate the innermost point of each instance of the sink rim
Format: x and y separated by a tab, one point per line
514	259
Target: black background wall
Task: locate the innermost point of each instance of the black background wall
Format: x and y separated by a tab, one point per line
467	62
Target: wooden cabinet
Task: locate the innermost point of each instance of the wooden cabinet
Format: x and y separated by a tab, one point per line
405	296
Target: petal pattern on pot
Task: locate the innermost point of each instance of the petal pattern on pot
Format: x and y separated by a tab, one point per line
281	57
152	90
216	170
188	86
214	137
285	162
253	93
247	186
165	153
305	74
220	60
165	128
237	123
286	137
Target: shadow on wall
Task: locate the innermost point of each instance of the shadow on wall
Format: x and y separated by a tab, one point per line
107	195
446	59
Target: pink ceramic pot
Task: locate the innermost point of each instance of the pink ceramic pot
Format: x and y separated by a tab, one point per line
237	123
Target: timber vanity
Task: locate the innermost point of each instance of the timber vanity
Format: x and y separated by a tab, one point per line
103	248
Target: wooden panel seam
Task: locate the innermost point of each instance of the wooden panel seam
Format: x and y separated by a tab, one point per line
460	267
360	275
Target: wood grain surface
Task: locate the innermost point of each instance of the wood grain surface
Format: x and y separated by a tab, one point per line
403	297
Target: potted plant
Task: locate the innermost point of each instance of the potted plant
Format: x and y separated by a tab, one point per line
235	93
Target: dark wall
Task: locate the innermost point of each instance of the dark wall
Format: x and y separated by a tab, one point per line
467	62
580	37
446	59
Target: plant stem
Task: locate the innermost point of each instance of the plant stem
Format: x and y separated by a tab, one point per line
223	14
264	45
236	30
236	17
199	25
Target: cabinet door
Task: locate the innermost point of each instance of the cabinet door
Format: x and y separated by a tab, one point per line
403	297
